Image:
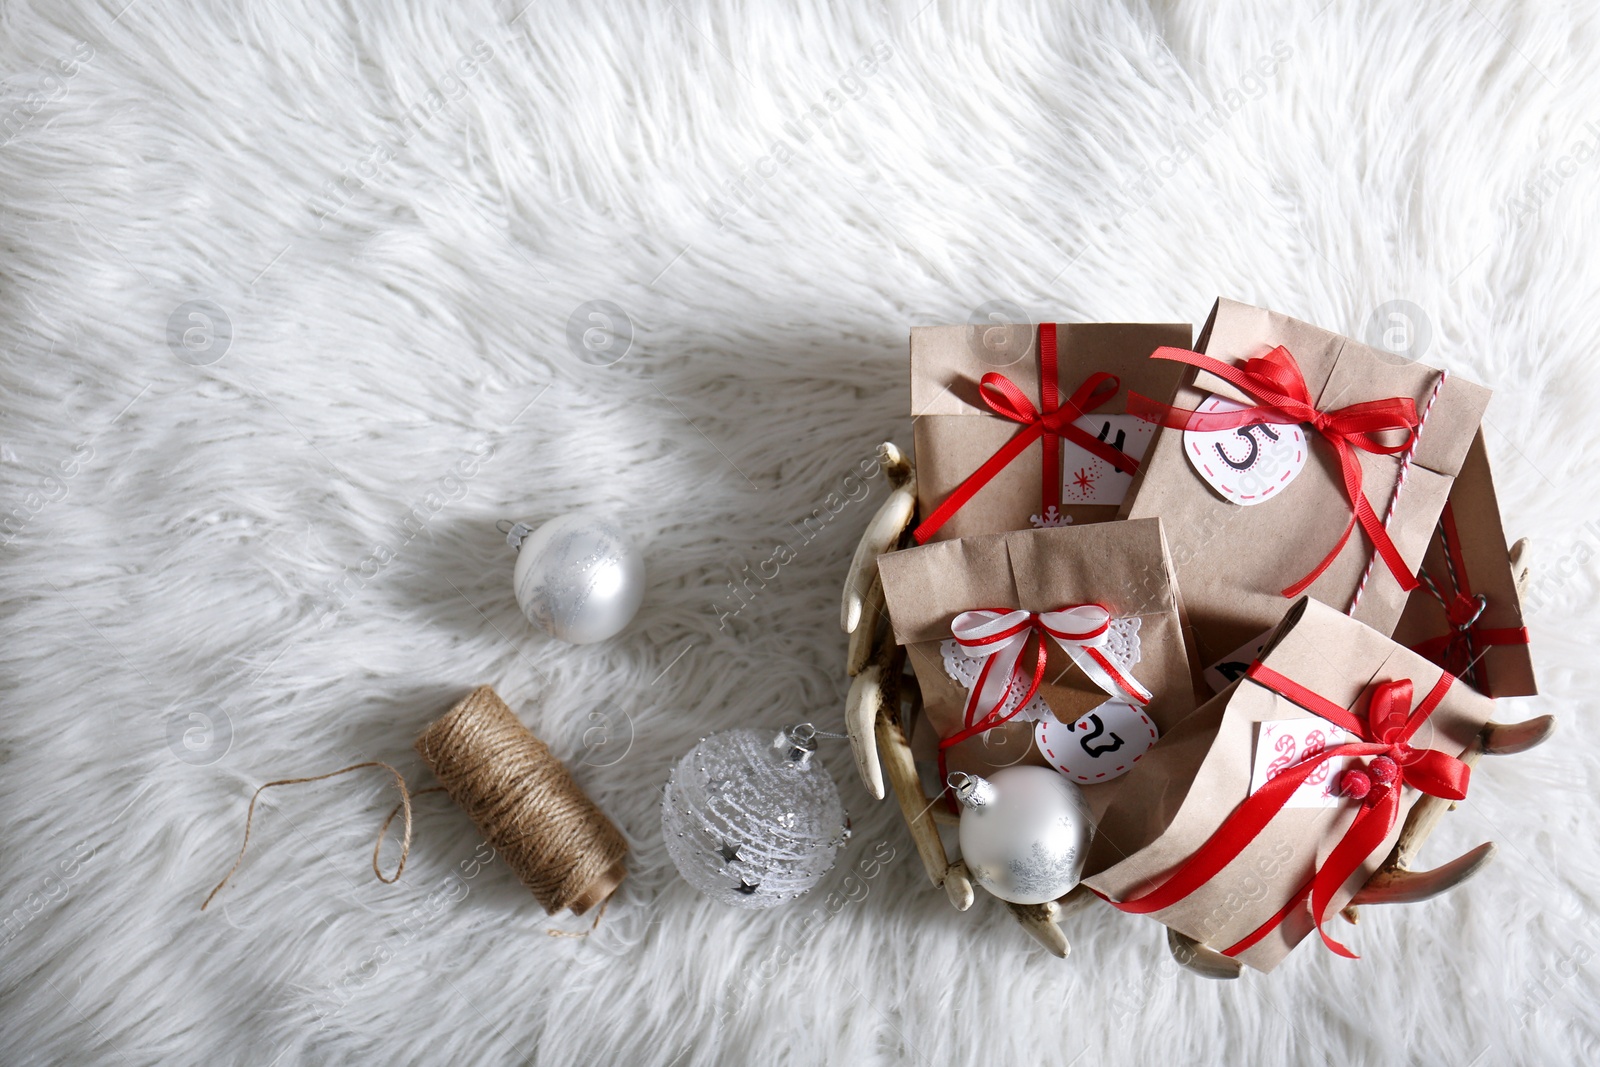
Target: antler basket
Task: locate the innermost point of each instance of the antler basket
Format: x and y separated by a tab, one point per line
884	702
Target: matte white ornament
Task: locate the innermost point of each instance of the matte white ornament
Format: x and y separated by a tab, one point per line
1024	832
577	576
751	818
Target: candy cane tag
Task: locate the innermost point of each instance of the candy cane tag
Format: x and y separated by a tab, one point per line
1282	743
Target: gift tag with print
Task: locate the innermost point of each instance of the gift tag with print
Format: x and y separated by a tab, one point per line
1101	745
1088	479
1250	464
1283	743
1231	668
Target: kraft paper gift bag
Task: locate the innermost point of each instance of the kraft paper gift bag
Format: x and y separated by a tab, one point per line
994	453
1097	602
1467	616
1275	471
1330	697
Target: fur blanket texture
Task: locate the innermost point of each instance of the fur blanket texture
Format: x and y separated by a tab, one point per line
298	298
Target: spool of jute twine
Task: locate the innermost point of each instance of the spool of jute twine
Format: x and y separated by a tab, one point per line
552	836
521	798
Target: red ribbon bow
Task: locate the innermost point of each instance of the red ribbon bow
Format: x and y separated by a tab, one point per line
1387	732
1047	426
1278	388
1457	651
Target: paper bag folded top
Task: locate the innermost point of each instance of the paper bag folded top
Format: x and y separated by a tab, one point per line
1239	545
1189	793
1467	616
957	432
1120	567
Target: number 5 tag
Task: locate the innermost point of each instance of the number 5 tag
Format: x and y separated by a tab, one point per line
1249	464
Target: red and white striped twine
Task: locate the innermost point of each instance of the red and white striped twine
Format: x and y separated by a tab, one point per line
1399	484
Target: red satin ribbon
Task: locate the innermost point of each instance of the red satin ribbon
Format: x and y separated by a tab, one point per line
1387	731
1455	651
1047	426
1274	382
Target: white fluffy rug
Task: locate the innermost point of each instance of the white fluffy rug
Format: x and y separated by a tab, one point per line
285	298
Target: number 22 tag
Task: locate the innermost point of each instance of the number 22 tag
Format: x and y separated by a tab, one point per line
1101	745
1249	464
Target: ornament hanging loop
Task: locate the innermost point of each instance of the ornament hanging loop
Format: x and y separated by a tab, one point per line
1479	604
799	741
516	532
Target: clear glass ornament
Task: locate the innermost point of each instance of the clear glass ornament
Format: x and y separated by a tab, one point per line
752	818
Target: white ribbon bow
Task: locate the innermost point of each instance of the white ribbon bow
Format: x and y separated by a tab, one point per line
999	637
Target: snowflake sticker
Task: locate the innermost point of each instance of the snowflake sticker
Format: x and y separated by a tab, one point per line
1051	519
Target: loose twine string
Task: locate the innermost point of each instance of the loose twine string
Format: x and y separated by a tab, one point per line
551	835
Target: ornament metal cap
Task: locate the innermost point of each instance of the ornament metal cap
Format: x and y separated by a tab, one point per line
971	791
797	743
516	532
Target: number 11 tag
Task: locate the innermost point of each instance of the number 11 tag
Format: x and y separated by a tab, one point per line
1246	465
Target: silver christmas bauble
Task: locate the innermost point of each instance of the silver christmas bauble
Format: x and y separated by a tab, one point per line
1024	832
752	818
577	576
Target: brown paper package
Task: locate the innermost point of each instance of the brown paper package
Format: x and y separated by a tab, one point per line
955	433
1235	561
1124	566
1498	670
1198	773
